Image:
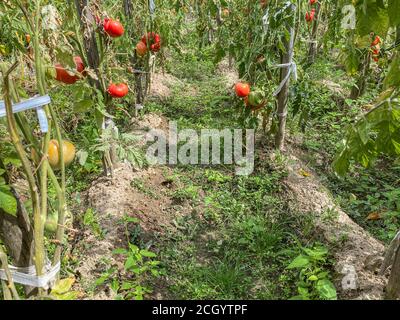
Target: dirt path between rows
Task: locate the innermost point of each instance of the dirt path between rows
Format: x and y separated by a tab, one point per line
358	256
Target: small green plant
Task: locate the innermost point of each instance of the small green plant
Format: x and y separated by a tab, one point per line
124	145
216	176
314	282
139	266
189	193
90	220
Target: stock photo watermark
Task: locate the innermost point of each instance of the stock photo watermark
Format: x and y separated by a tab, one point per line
207	147
349	17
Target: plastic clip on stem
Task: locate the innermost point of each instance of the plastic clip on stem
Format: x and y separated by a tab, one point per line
33	103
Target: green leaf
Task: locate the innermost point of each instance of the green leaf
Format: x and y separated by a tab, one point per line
396	146
372	18
326	289
313	278
363	130
64	57
127	285
317	253
394	12
393	77
130	263
120	251
299	262
7	201
147	254
83	105
131	219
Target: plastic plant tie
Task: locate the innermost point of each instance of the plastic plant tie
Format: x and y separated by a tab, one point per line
282	115
292	69
33	103
138	71
152	7
265	22
27	275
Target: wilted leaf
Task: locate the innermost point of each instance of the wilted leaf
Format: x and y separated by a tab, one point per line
62	290
304	173
82	157
374	216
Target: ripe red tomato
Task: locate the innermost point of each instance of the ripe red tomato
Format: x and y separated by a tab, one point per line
312	2
242	89
113	28
155	47
310	16
118	90
141	48
376	41
65	76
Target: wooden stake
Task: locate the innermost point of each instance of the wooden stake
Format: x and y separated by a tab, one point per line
286	58
312	52
393	287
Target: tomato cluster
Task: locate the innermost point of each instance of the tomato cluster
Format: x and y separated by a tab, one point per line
151	41
376	48
154	40
114	29
255	100
311	15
